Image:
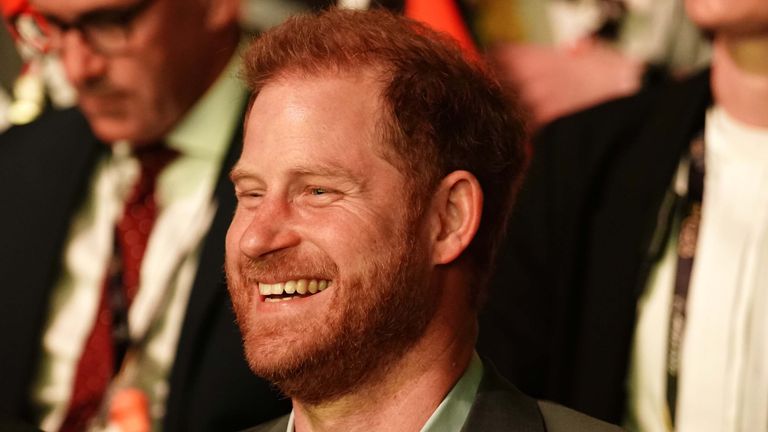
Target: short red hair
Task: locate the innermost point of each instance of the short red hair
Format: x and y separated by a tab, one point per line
443	112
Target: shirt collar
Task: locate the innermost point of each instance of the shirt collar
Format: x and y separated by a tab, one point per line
453	411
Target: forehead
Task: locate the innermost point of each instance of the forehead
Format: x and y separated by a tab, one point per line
332	120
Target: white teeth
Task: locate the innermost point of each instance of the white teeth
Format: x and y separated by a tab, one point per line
265	289
301	286
290	287
277	288
312	286
271	300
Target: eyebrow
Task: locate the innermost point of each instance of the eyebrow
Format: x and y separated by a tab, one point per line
238	173
90	15
332	171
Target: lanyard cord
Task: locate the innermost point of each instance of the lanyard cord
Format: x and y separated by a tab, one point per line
690	205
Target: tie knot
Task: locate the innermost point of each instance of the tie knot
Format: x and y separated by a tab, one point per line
153	159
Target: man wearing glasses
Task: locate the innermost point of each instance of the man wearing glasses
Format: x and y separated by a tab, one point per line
113	306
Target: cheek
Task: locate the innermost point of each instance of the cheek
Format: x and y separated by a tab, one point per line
361	224
239	292
146	78
348	241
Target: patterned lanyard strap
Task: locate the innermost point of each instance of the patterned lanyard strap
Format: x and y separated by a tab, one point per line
690	212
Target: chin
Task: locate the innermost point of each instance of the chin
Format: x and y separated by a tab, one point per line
110	130
273	356
110	122
108	126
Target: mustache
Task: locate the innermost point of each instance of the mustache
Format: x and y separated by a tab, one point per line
98	86
287	265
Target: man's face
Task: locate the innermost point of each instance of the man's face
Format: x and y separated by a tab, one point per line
317	204
140	92
731	16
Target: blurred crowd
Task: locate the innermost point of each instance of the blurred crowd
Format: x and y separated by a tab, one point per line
542	49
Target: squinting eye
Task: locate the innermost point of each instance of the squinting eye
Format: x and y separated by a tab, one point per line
320	196
247	196
318	191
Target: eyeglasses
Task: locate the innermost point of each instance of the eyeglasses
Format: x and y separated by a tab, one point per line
107	31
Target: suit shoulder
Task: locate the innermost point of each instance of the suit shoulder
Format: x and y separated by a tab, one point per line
55	132
52	121
619	119
558	418
10	424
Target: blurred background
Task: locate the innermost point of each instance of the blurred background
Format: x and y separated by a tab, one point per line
560	56
11	63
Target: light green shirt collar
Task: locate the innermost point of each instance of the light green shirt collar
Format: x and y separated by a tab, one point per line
453	411
201	133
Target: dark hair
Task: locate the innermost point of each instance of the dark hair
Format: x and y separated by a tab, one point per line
442	112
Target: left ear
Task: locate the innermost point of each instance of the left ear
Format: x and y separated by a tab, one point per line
455	215
222	13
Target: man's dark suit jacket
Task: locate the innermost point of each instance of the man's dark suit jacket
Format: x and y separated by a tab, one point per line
500	407
582	240
45	169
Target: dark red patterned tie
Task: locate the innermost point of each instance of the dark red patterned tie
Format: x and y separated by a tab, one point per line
106	346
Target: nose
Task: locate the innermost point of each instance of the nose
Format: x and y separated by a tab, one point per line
81	63
270	230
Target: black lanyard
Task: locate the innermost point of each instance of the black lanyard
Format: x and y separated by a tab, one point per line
690	210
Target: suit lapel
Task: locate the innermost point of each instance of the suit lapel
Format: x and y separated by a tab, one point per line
43	175
209	288
625	209
499	406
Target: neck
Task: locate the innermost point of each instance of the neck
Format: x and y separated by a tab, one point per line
405	398
740	77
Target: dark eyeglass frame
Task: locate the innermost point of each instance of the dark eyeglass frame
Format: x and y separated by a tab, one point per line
96	27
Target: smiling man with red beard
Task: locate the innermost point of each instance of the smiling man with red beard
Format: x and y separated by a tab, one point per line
377	171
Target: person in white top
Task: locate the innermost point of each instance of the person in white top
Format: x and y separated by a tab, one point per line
642	237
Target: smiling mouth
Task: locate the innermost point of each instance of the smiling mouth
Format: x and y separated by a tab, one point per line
292	289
